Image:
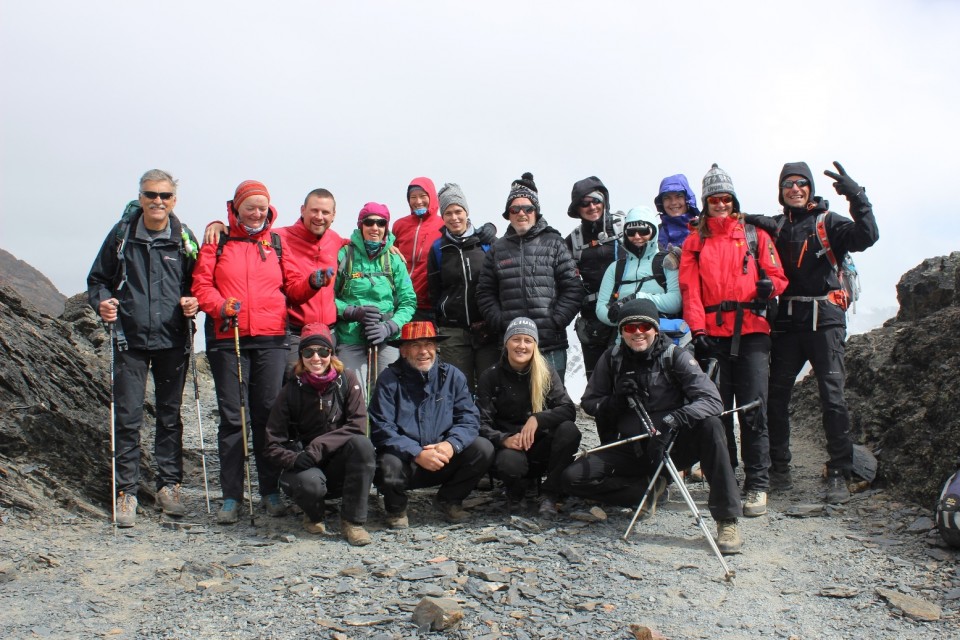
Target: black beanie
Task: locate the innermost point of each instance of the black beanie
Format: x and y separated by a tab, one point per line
794	169
525	187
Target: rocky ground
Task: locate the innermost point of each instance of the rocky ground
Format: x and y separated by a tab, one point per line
872	567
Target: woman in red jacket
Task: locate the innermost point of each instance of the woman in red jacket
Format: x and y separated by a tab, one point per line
243	281
729	271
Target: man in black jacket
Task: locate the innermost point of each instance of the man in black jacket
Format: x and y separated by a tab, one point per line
678	395
140	284
811	321
530	272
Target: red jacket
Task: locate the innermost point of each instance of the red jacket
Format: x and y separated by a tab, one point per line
307	253
259	281
415	236
712	271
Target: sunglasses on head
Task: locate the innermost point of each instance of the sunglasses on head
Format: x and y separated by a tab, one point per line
525	208
788	184
589	202
309	352
720	199
636	327
153	195
642	230
380	222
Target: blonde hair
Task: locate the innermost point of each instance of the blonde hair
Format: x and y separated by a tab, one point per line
335	362
539	381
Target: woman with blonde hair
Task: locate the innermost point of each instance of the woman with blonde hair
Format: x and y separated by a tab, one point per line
527	415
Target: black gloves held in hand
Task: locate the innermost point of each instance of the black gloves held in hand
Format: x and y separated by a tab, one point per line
845	185
627	387
764	289
303	462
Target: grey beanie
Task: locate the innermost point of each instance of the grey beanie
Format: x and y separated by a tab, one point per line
640	310
521	325
451	193
718	181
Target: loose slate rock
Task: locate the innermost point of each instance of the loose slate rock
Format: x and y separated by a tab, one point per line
839	591
921	525
804	510
437	614
572	555
912	607
443	569
524	525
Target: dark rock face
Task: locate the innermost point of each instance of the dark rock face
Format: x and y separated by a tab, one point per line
34	287
902	391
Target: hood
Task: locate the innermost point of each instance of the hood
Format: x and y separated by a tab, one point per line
795	169
427	185
677	182
581	188
642	213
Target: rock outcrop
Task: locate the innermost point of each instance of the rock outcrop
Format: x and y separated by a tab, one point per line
34	288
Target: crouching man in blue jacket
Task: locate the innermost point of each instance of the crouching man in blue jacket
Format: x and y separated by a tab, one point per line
425	427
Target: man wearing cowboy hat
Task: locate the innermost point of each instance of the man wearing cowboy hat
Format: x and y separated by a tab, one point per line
425	427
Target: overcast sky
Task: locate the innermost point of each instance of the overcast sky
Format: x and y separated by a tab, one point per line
361	97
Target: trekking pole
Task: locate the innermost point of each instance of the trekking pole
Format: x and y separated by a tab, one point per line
586	452
243	412
746	407
196	394
113	436
371	377
667	462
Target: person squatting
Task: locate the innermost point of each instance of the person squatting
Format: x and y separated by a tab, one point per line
429	352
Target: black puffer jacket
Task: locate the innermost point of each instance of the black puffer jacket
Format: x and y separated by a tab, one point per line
158	272
452	280
809	275
532	275
503	397
686	391
596	254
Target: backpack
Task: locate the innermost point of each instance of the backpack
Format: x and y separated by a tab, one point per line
274	244
345	271
133	210
577	244
618	281
849	292
948	511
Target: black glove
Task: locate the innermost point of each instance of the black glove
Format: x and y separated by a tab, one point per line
764	289
845	185
371	315
303	462
627	387
321	278
354	313
703	345
671	423
377	333
613	312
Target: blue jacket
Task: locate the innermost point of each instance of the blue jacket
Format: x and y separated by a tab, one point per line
637	268
673	231
410	409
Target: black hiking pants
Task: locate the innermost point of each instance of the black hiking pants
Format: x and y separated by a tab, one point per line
456	480
742	380
262	380
347	474
824	350
169	370
550	455
620	475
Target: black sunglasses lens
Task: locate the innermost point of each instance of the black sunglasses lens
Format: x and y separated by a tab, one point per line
323	352
153	195
379	223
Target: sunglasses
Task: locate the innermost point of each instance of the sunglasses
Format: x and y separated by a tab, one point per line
309	352
525	208
153	195
719	199
589	202
788	184
636	327
380	222
644	230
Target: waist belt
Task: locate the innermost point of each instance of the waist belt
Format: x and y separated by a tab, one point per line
816	307
733	305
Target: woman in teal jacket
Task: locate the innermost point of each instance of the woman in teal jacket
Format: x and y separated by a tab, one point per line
644	273
374	295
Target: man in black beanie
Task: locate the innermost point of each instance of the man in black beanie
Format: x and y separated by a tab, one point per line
811	323
679	397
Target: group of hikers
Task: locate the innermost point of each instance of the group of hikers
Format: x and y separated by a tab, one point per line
435	354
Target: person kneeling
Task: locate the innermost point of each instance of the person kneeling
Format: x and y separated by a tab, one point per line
425	426
527	415
678	395
316	434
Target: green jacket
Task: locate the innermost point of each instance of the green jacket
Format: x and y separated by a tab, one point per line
368	282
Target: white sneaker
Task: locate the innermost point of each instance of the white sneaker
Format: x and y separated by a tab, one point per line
755	504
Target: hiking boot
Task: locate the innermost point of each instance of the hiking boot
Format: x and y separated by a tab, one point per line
229	512
548	508
355	534
755	504
126	510
168	501
650	506
837	490
780	478
274	505
451	511
728	536
397	520
316	528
